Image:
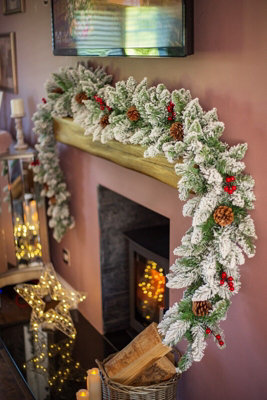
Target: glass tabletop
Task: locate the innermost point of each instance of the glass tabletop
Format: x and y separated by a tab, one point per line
53	365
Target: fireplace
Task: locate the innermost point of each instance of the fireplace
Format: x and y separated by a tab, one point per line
148	263
133	239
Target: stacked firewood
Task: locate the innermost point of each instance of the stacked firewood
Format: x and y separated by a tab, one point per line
145	361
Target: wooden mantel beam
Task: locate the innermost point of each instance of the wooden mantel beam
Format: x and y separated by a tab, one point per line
128	156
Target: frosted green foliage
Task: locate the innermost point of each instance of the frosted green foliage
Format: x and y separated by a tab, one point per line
173	150
182	274
193	111
49	173
92	115
61	89
186	360
141	97
238	152
245	196
207	204
93	79
219	310
190	206
175	332
202	162
170	316
73	81
245	236
120	98
199	343
63	105
65	80
141	136
156	107
89	82
156	115
191	180
180	99
216	249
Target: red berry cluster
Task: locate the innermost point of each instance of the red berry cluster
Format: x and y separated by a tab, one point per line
44	100
221	342
230	189
171	112
35	162
102	104
218	337
228	279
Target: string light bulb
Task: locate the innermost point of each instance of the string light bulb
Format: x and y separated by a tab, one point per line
152	288
27	241
55	361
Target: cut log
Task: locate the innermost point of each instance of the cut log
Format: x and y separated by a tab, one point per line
171	357
160	371
138	356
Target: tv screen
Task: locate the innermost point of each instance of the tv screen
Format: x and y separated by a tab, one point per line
150	28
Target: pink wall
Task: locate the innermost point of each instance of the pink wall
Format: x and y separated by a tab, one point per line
228	70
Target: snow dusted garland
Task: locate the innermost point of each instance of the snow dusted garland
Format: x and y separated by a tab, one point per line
62	90
217	192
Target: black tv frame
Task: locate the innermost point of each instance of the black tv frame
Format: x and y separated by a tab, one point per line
186	50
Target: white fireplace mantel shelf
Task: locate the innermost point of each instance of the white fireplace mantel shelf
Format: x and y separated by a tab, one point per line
129	156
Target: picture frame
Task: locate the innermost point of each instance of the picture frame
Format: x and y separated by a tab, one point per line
13	6
123	29
8	67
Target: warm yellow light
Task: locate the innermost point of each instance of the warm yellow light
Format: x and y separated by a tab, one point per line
59	316
94	371
152	286
26	238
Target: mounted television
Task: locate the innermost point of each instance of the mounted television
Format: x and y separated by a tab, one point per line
146	28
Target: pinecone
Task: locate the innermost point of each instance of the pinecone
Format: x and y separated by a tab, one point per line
58	90
133	114
201	308
53	200
104	121
80	97
176	131
223	215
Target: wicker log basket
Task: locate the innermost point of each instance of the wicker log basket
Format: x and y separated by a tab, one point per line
112	390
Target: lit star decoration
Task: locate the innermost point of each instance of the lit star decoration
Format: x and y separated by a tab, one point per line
50	302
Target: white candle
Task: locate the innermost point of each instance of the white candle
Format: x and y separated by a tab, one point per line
94	384
82	394
17	108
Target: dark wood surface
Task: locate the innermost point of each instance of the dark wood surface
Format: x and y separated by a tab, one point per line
12	385
13	309
15	340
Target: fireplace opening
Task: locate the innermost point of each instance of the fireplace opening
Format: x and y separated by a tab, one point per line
149	264
134	259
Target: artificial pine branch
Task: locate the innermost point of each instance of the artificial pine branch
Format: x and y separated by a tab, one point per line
209	254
